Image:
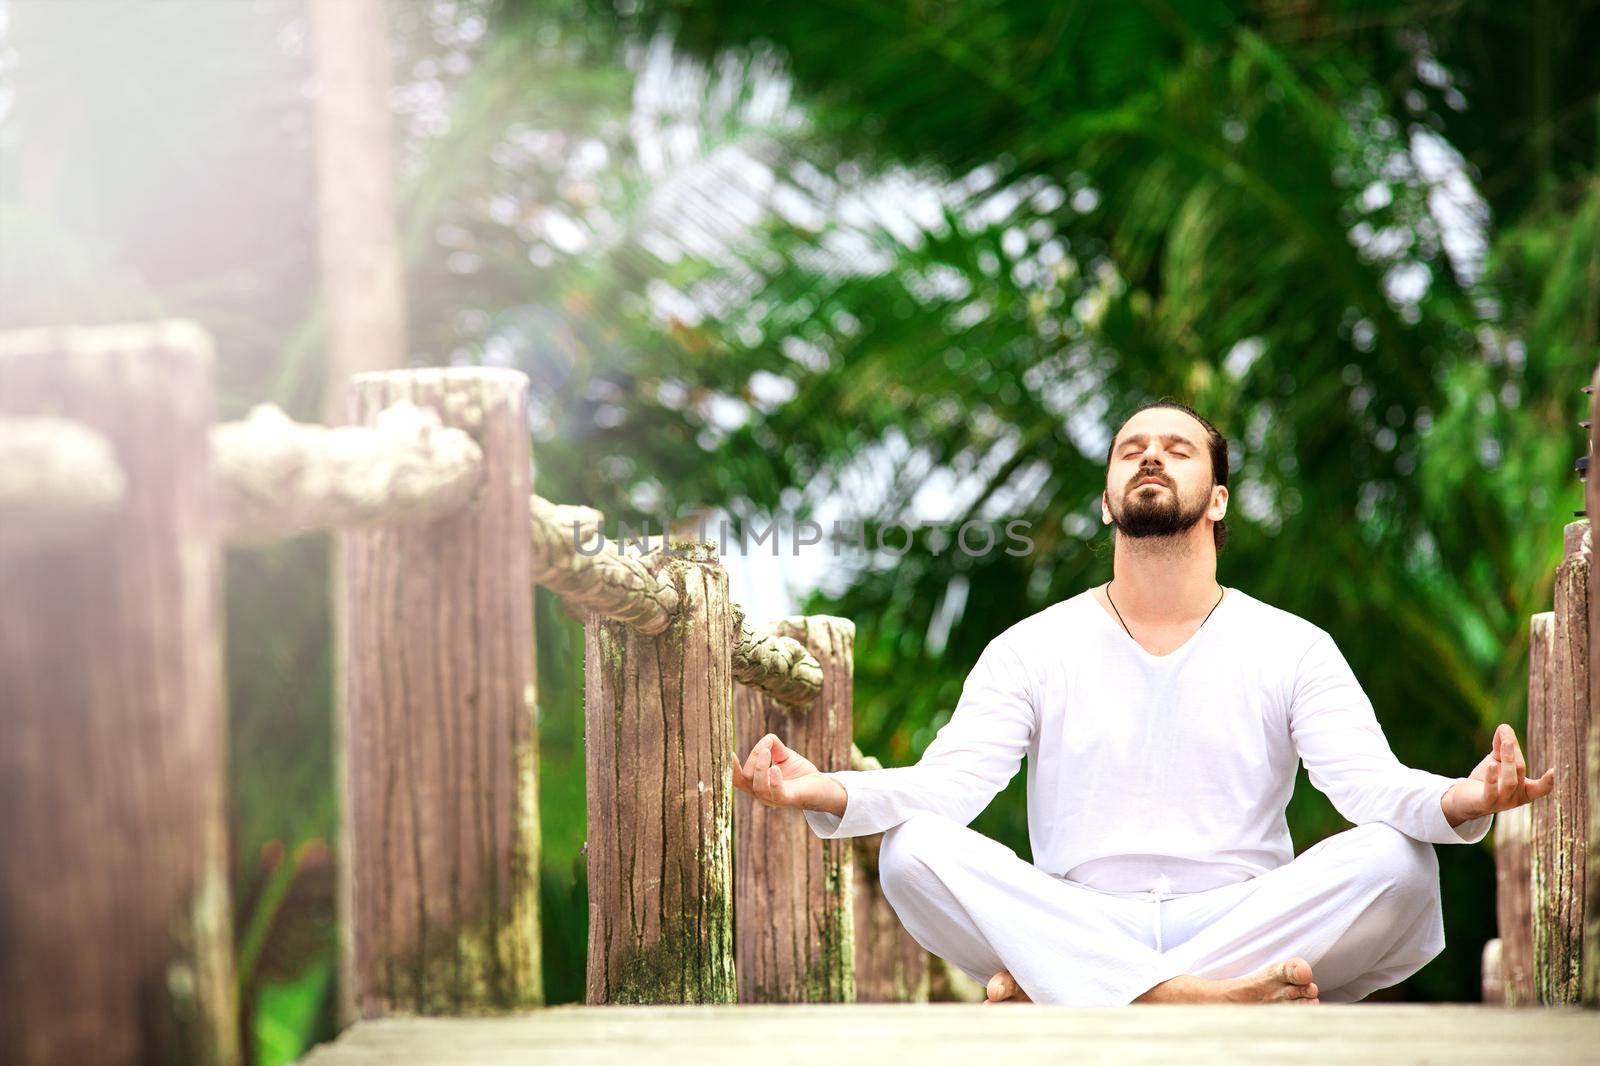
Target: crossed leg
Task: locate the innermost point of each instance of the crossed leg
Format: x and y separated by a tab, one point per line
1361	908
972	900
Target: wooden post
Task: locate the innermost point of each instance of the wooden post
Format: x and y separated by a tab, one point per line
1559	823
1514	905
1591	921
891	967
440	898
358	235
116	929
659	739
794	935
1493	973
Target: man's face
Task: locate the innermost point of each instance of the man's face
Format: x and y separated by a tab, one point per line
1158	483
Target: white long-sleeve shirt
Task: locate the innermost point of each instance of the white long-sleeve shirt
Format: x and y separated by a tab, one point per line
1147	772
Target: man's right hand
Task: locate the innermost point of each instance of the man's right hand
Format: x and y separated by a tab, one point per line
781	777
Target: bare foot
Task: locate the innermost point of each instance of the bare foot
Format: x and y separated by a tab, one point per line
1003	988
1282	982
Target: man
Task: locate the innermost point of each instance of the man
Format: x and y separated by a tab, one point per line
1163	717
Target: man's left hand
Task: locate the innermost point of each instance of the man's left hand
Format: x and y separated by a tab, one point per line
1498	783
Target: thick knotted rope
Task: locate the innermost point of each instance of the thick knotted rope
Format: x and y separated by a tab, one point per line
276	477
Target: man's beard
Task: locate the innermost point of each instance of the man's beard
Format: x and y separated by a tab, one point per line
1158	513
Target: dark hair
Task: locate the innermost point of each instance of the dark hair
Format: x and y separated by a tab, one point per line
1219	455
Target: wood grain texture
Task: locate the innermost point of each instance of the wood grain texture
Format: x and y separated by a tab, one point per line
658	714
1591	920
794	938
115	924
1514	898
1559	832
960	1034
440	741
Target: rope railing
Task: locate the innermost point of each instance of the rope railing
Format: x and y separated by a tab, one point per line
603	581
56	475
593	576
441	544
277	477
777	665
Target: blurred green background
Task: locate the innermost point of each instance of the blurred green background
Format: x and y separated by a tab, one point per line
879	260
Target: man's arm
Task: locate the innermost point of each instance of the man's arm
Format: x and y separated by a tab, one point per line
1337	736
971	758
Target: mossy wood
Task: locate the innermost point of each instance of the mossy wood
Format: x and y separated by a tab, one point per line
1514	905
658	714
440	746
794	934
1557	738
1591	920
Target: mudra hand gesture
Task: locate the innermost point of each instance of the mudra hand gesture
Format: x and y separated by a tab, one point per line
1498	783
779	776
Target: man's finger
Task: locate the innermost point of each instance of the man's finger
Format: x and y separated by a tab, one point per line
750	763
762	777
740	778
1541	786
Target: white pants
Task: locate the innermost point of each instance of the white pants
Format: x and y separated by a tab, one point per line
1362	907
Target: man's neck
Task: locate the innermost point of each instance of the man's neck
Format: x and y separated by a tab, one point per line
1163	580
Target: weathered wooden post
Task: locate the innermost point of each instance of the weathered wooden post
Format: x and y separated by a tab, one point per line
1558	738
659	738
794	939
1514	886
440	895
115	923
1493	973
1591	921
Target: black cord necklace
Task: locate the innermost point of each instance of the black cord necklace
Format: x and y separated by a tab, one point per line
1203	621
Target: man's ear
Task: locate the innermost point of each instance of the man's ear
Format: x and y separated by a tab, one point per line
1105	508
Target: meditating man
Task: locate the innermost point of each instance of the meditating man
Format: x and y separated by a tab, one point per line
1163	717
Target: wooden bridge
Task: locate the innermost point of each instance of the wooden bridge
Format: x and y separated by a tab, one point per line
117	494
948	1034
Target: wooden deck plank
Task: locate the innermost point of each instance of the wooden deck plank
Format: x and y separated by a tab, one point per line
955	1033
